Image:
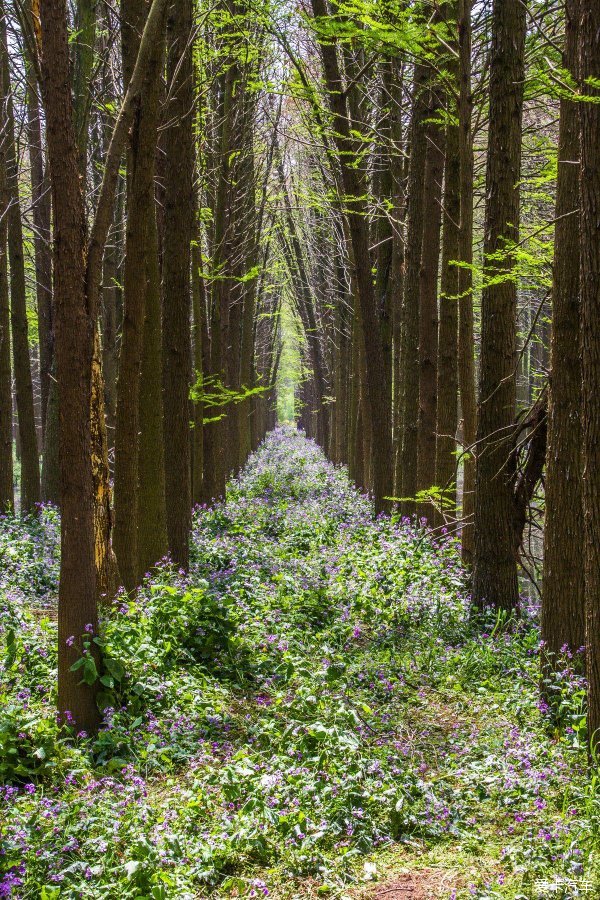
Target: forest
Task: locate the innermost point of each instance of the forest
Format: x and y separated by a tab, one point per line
300	449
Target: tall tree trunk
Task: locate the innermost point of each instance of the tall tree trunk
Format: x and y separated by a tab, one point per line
176	288
377	384
447	373
563	611
152	524
409	353
30	461
109	327
466	340
495	579
41	208
200	350
589	68
428	314
74	345
141	270
7	497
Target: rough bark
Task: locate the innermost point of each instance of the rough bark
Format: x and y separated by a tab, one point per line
41	209
74	339
428	312
176	288
7	498
447	371
466	341
200	342
589	68
495	581
30	462
409	354
563	611
140	266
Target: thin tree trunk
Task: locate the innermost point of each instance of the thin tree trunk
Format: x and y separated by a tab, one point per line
30	461
409	353
40	199
199	312
589	68
466	340
447	373
428	313
377	382
7	498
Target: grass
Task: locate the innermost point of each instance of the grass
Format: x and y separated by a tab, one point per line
311	711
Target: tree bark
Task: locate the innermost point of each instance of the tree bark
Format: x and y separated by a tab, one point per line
74	344
30	461
428	312
447	372
495	580
589	68
176	288
42	214
466	340
7	497
141	269
409	354
563	610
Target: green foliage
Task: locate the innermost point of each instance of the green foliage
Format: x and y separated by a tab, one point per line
314	692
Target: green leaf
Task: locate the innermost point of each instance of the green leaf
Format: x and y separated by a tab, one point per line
115	668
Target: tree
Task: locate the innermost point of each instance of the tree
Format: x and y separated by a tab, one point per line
495	564
30	462
377	375
7	498
447	369
137	397
589	76
78	272
563	612
466	340
176	288
409	353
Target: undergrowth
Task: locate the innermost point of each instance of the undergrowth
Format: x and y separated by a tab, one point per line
311	701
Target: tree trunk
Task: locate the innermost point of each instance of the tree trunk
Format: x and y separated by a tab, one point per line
152	524
200	348
74	344
7	497
176	288
377	384
563	611
140	267
428	312
589	68
30	461
495	580
41	208
466	340
409	354
447	373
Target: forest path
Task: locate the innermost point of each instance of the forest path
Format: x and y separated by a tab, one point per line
310	712
416	740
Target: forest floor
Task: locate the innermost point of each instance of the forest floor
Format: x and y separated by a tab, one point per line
311	712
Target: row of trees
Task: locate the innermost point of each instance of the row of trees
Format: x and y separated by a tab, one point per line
140	166
406	190
451	161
